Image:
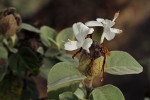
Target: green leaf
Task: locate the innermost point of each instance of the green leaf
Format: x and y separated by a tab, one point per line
3	53
17	65
29	28
63	73
47	65
23	60
11	41
52	52
67	96
48	36
3	68
63	77
3	61
107	92
68	58
63	37
121	63
40	50
10	88
1	37
30	91
80	93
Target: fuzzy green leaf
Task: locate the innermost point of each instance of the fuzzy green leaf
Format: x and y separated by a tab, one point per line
3	61
107	92
63	36
46	66
3	53
29	27
121	63
48	36
62	77
80	93
52	52
68	58
67	96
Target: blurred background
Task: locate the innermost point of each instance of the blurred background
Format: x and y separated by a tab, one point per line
134	20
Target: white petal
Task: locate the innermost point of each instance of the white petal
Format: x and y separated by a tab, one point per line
71	45
108	34
100	19
90	31
78	28
93	23
84	30
108	23
87	44
81	31
114	30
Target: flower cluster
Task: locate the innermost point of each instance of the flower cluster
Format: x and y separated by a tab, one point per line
82	30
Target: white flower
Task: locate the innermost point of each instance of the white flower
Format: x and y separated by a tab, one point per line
108	33
80	31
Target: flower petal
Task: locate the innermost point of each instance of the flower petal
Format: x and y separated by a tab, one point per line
108	34
84	30
81	31
100	19
108	23
93	23
71	45
76	28
114	30
87	44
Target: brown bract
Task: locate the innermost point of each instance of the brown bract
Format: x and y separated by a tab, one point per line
9	22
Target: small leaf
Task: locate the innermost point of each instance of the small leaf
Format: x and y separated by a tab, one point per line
11	41
61	77
52	52
107	92
1	37
63	36
40	50
22	60
121	63
17	65
67	96
47	65
68	58
3	53
10	88
3	68
80	93
48	36
3	61
29	28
